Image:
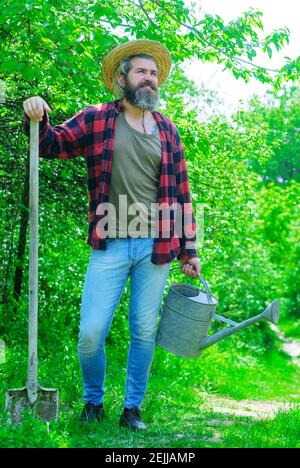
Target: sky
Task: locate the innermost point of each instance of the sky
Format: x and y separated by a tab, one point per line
276	14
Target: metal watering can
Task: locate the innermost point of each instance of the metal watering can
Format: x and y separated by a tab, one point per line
186	316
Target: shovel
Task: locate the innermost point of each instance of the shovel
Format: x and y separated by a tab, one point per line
42	402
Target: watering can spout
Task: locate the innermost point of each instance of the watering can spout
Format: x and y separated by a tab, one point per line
271	314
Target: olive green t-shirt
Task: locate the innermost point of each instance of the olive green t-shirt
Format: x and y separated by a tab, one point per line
135	176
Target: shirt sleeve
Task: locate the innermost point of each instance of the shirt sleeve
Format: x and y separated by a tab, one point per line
187	218
64	141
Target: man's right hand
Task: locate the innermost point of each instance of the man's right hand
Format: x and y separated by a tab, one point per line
34	108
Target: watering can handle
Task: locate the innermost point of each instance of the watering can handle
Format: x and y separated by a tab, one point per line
206	289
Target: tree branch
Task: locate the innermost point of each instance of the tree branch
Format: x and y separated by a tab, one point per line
191	28
146	13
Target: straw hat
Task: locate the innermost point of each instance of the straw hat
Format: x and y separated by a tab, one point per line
158	51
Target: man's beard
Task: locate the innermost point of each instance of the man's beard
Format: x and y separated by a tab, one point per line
142	97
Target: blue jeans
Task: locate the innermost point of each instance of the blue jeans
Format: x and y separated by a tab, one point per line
106	278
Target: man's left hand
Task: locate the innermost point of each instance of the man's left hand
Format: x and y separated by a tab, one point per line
191	267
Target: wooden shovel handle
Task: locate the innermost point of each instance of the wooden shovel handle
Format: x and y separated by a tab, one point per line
32	378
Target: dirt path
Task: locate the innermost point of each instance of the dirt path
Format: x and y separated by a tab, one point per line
289	345
256	409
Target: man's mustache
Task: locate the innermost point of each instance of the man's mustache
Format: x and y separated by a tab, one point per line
148	84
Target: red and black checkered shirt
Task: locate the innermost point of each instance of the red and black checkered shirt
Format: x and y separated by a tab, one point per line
91	133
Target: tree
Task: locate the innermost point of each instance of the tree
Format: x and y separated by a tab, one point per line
55	50
280	114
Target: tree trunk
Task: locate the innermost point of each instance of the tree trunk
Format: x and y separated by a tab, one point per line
22	240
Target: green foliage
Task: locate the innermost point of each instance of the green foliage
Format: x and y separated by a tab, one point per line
250	251
279	116
57	47
278	224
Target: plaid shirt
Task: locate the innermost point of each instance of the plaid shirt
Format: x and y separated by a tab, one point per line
90	132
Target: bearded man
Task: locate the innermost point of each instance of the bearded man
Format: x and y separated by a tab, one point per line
134	159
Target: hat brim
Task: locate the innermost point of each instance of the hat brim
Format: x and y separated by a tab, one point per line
155	49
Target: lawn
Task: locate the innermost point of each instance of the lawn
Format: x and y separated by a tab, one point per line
175	407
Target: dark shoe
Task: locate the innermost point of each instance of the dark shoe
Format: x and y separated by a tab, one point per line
92	412
131	418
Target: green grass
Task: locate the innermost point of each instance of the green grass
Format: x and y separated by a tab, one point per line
280	432
182	426
173	408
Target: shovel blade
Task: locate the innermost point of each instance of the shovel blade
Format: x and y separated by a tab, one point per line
16	402
48	404
45	408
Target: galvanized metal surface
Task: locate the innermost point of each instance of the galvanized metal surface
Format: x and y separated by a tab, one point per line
186	317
